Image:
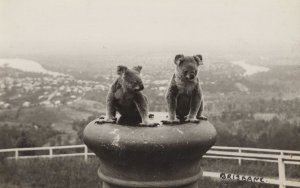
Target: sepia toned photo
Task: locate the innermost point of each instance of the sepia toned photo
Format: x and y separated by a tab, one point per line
149	94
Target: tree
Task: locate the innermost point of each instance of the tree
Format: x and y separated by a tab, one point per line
25	142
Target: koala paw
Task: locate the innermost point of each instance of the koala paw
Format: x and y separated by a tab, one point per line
202	117
192	120
171	122
102	120
149	124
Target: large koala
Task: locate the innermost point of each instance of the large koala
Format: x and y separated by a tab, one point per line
184	95
126	98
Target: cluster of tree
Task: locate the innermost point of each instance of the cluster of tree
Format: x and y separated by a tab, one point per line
273	134
25	135
282	78
236	110
79	125
276	106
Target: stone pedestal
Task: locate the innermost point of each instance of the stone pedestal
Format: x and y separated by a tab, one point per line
163	156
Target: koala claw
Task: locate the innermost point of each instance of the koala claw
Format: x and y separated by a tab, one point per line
202	117
99	121
193	120
170	122
149	124
102	120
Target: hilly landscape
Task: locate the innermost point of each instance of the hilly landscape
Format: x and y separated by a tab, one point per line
251	102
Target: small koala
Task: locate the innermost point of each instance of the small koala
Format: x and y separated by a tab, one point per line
184	95
125	97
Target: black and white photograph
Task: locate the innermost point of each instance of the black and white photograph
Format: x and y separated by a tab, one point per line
149	93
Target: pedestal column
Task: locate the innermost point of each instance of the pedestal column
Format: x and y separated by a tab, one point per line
163	156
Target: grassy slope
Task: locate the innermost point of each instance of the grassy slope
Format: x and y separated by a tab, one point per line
75	173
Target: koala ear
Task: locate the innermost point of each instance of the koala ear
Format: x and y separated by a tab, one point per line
178	58
198	59
121	69
137	68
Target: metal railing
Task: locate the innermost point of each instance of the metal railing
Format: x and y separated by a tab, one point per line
281	157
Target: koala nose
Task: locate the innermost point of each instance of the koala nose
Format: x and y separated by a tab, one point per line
141	87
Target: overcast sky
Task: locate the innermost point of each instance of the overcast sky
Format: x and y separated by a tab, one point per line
89	25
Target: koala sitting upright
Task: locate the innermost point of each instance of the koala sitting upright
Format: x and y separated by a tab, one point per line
126	98
184	96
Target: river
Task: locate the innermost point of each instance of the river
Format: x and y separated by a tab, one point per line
26	66
250	69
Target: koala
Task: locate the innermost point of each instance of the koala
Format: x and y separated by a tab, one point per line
125	97
184	95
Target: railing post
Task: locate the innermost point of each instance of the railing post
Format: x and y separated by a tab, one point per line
85	153
50	153
281	171
16	154
240	159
